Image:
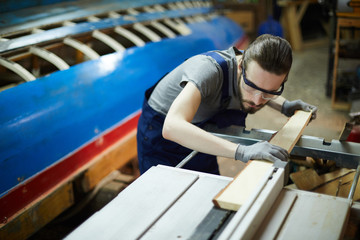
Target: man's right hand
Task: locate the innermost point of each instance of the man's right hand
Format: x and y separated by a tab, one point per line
261	151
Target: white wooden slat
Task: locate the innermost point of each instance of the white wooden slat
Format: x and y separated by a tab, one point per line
159	8
89	52
188	4
179	21
37	30
181	220
149	9
50	57
197	3
180	5
137	207
93	19
277	215
200	18
113	14
172	6
162	28
189	19
129	35
108	41
132	11
68	23
147	32
17	68
179	26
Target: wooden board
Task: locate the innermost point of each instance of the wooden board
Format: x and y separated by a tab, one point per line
111	159
239	190
310	180
39	213
306	180
340	187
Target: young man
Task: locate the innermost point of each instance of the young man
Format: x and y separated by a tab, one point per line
219	87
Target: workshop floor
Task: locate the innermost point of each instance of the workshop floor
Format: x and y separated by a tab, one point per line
307	81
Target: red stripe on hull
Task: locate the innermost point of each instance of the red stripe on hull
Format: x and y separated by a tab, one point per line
19	197
242	43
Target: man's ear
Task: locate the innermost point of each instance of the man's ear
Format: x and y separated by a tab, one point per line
240	65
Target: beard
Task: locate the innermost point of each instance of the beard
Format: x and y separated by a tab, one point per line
248	106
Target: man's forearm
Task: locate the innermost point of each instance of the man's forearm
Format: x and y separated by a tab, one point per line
193	137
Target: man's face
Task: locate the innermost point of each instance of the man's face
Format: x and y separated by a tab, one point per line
252	99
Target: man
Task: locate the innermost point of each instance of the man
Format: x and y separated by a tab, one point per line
219	87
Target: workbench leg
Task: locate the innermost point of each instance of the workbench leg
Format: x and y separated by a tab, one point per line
293	27
333	92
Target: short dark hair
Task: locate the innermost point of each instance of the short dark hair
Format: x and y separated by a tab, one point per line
272	53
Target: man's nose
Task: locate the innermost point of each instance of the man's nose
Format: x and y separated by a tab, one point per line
258	99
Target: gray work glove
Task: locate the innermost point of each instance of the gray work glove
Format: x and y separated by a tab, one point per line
289	108
261	151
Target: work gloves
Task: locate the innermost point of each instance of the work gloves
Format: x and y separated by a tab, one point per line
261	151
289	108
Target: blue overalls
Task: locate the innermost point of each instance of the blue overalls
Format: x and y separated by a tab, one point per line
153	149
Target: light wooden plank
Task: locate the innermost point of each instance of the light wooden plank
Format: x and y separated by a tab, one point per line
138	207
239	190
310	180
307	179
290	133
327	177
236	193
180	221
340	187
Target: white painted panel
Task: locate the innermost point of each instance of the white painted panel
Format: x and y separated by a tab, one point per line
181	220
137	208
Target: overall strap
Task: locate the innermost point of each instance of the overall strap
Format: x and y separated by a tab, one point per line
224	67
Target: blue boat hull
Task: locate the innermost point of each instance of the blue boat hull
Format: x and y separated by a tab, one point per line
44	122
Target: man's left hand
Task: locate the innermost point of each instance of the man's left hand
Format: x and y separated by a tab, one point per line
289	108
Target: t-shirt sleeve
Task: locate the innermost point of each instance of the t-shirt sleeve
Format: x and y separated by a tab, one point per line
205	73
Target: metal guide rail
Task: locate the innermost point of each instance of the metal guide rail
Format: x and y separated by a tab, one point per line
345	154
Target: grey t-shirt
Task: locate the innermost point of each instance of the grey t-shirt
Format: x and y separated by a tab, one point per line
207	75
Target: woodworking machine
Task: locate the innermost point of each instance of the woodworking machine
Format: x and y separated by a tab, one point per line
173	203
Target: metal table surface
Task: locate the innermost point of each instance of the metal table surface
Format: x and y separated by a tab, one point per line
173	203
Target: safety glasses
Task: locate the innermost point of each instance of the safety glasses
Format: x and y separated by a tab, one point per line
255	90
